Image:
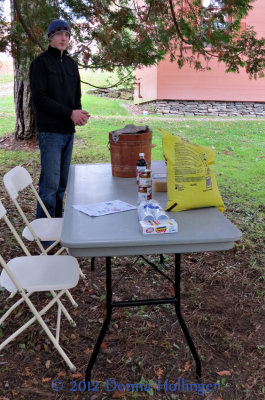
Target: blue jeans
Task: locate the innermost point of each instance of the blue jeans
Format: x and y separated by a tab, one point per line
56	153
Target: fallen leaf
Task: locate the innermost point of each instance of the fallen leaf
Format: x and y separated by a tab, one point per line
118	394
61	373
48	364
129	354
150	325
171	290
224	373
186	366
104	345
27	372
77	375
159	373
88	351
44	380
46	348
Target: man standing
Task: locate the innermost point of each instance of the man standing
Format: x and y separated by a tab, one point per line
56	95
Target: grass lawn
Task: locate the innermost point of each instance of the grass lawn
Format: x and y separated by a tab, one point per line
97	78
6	78
7	115
223	292
239	144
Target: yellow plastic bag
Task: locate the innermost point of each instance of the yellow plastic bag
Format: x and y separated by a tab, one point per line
190	181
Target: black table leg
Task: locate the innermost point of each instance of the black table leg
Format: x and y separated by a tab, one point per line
92	264
180	318
171	300
106	322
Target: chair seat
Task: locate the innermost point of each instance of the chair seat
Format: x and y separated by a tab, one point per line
41	273
45	228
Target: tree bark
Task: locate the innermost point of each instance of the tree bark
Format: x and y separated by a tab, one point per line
25	120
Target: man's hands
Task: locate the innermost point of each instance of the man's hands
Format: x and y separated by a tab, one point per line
79	117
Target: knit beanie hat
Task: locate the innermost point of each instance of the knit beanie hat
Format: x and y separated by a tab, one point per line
58	25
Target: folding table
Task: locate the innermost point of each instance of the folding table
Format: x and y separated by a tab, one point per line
118	234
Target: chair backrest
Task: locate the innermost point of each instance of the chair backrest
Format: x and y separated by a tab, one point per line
18	179
12	229
15	180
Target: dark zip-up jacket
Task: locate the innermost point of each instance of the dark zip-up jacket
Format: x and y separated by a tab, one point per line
55	89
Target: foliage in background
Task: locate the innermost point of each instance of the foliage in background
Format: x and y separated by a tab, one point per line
128	34
121	35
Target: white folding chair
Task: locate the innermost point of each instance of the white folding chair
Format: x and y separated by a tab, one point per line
25	249
41	229
28	274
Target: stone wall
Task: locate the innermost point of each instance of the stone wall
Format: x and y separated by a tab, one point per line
210	108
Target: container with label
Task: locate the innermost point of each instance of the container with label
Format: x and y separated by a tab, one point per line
144	193
141	165
145	178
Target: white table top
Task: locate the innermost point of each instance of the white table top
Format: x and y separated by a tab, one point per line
118	234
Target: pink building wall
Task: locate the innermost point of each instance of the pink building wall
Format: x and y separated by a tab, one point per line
256	17
167	82
150	79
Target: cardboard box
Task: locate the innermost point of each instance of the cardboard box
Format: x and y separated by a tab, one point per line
158	227
159	182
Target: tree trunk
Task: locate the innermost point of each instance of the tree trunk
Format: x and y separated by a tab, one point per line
25	120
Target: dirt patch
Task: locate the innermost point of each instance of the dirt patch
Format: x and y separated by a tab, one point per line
11	143
222	303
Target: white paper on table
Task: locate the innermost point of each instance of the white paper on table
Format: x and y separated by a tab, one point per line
104	208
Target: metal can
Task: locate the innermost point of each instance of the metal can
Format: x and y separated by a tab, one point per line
144	193
145	178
